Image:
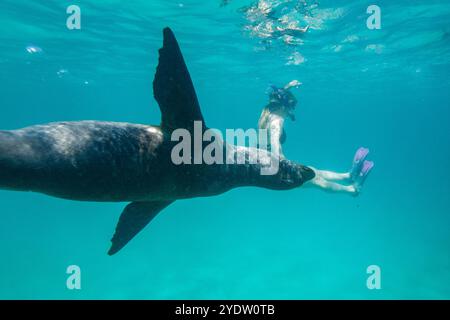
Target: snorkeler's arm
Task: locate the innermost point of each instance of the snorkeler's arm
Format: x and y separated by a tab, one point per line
263	119
292	84
276	133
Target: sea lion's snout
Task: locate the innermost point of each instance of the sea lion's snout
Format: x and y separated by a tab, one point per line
307	173
292	175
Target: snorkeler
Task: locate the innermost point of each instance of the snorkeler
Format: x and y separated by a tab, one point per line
281	106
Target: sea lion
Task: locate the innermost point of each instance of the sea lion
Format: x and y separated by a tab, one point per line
124	162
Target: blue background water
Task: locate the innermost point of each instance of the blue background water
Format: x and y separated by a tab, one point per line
386	89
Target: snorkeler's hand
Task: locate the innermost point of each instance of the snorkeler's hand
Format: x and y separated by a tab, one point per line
293	84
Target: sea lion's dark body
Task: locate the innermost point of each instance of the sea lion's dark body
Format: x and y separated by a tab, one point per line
90	161
123	162
96	161
113	162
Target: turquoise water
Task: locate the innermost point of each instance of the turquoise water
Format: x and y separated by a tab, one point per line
386	89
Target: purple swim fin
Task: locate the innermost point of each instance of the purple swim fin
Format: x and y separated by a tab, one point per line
361	177
358	160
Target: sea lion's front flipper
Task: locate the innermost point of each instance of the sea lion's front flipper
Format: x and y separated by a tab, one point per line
173	88
133	219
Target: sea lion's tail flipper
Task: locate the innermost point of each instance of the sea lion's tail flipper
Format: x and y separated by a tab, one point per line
134	218
173	88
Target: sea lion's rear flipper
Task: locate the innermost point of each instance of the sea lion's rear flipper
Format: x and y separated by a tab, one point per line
173	88
134	218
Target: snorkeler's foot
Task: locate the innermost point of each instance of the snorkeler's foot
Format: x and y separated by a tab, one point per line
358	160
361	177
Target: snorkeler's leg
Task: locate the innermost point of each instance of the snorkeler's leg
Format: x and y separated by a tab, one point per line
333	176
330	186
